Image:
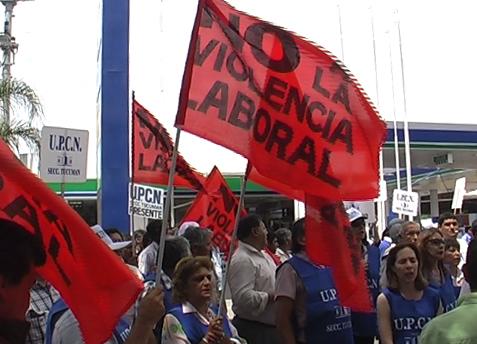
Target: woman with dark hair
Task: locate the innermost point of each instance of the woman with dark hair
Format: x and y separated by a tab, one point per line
432	248
407	304
193	321
308	306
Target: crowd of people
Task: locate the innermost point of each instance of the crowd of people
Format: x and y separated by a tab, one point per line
422	282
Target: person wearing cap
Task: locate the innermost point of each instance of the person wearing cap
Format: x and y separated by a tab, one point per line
63	327
308	307
365	326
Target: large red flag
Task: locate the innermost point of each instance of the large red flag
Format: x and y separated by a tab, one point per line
152	153
281	102
329	242
215	208
92	280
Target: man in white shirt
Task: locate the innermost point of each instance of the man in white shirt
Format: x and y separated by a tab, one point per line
147	259
252	284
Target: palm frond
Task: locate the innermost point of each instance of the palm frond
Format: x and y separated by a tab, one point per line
17	131
16	93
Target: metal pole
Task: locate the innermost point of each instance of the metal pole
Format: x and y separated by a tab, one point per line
173	218
341	33
381	204
232	242
407	145
396	139
167	210
8	46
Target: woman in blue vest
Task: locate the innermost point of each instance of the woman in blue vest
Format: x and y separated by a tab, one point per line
308	308
365	326
432	247
407	304
193	321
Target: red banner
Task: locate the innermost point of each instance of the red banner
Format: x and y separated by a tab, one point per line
281	102
215	208
152	153
92	280
329	242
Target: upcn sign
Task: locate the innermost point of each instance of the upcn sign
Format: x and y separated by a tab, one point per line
63	155
145	201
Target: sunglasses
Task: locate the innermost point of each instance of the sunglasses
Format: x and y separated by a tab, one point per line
437	242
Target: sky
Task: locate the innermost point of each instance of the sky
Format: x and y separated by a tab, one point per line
58	43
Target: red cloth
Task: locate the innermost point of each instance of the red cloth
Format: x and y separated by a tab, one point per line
272	255
92	280
329	242
288	106
215	208
152	153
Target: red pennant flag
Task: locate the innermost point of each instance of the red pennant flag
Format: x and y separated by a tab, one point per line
329	242
152	153
215	208
92	280
282	103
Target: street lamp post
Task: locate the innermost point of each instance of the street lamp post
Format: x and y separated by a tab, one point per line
9	47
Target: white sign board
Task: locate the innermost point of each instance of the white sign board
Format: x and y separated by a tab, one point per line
459	193
63	155
145	201
405	202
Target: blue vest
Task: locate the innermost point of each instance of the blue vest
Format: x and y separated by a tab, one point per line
408	316
326	320
447	293
120	333
365	324
168	303
193	328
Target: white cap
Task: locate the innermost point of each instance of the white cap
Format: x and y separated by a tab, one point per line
186	225
99	231
354	214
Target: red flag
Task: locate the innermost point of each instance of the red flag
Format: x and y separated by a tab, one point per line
275	185
92	280
152	153
329	242
215	208
281	102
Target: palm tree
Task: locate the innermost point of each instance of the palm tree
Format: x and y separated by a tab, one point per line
16	97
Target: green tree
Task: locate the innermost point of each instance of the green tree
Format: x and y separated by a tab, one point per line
20	101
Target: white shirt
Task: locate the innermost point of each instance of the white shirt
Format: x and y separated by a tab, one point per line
173	332
67	331
147	259
251	279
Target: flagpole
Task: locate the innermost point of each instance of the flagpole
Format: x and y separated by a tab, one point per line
407	145
167	211
173	219
381	204
131	219
341	33
234	238
396	139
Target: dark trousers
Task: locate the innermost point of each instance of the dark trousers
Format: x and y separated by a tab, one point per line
255	332
363	340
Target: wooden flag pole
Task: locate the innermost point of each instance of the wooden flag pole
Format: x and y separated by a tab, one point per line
234	238
167	208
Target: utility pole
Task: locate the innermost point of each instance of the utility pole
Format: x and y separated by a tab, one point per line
9	47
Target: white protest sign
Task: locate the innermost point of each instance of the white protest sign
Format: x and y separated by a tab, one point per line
405	202
459	193
145	201
63	155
